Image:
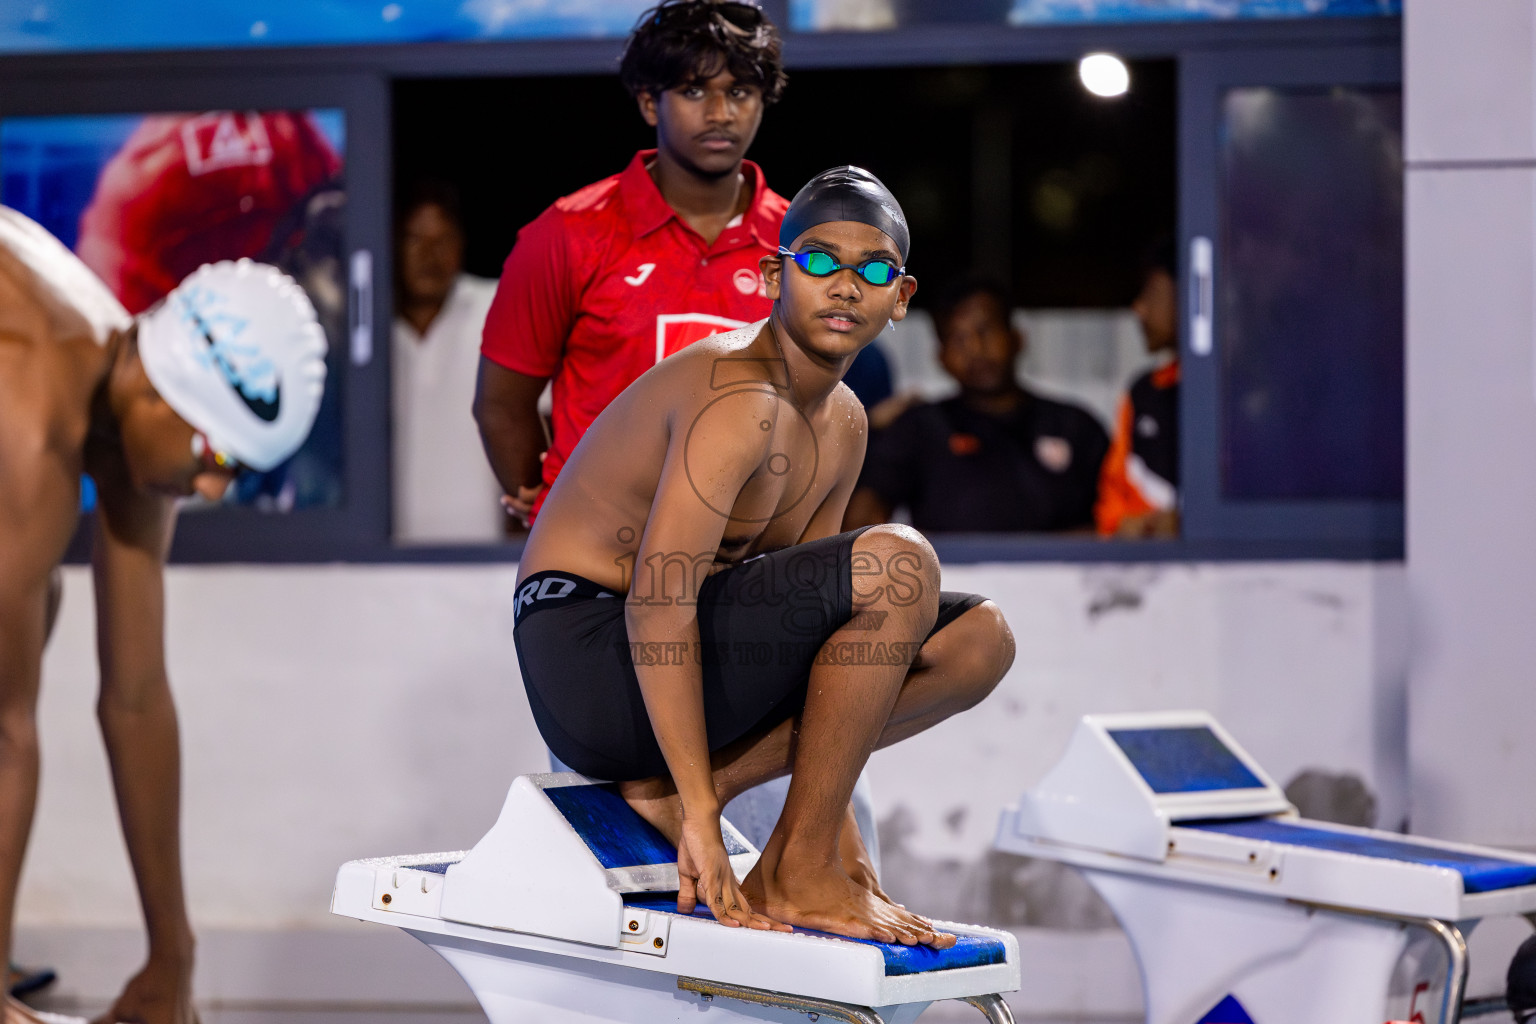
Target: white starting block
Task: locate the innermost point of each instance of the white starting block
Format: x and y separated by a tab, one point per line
566	912
1238	910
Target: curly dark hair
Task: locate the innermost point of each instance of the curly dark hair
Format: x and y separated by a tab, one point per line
682	41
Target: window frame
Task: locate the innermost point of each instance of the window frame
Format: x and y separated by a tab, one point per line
359	525
1204	79
359	79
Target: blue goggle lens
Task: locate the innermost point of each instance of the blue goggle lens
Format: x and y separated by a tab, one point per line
820	264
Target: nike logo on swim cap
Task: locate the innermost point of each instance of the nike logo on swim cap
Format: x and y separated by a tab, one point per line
262	408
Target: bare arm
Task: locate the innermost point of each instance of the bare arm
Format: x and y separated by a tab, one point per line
682	535
138	723
832	516
507	410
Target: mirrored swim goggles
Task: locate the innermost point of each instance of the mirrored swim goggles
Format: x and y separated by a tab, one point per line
876	271
213	460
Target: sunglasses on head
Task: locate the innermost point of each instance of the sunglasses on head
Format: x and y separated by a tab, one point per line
213	460
740	13
877	271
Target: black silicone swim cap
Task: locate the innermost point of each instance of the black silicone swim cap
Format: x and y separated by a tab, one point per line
845	193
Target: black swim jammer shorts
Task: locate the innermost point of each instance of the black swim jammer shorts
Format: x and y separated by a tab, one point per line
762	625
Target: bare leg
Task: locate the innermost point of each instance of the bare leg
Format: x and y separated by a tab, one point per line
854	857
21	648
55	600
955	670
736	768
799	878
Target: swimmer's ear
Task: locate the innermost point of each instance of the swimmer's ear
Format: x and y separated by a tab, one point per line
646	101
129	381
904	292
772	269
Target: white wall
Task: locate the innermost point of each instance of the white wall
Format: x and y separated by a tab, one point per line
1471	147
340	712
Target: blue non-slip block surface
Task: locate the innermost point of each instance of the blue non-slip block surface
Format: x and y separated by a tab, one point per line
1184	759
1478	873
1228	1011
615	834
439	868
968	951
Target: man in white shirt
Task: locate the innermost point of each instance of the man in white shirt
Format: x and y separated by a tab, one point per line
444	492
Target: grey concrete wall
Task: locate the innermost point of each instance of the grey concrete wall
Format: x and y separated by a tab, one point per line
1471	254
330	713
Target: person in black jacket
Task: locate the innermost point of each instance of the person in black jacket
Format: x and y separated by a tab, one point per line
995	458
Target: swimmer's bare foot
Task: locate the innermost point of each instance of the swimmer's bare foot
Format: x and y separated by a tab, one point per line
156	995
857	864
656	801
798	891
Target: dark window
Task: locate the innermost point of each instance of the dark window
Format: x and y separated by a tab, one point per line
1310	294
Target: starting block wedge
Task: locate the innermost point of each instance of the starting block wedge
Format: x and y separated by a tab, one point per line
566	912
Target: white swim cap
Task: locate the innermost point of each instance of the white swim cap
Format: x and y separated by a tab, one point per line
237	352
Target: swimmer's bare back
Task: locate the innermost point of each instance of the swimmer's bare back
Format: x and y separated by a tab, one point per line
56	322
664	464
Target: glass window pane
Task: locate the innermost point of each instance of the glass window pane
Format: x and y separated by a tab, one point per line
1310	294
145	199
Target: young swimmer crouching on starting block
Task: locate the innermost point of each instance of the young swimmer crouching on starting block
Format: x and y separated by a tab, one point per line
690	623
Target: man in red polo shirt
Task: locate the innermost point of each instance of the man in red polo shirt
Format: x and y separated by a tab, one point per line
612	279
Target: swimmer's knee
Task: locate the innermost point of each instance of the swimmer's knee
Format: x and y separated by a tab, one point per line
1003	645
997	642
980	652
896	564
891	538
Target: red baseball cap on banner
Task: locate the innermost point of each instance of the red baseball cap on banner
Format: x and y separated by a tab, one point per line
190	189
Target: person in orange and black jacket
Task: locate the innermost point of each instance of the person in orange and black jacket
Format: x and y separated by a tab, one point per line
1139	484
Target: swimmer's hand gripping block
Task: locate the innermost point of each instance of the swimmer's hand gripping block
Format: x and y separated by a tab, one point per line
561	857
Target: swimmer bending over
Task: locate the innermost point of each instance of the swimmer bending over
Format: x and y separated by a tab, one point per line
742	637
226	373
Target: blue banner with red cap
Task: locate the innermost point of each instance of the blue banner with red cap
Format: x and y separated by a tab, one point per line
57	26
843	15
61	26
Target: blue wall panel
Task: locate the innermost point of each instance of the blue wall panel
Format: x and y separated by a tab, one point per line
54	26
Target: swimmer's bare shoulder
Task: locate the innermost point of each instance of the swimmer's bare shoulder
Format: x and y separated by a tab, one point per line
606	493
55	321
